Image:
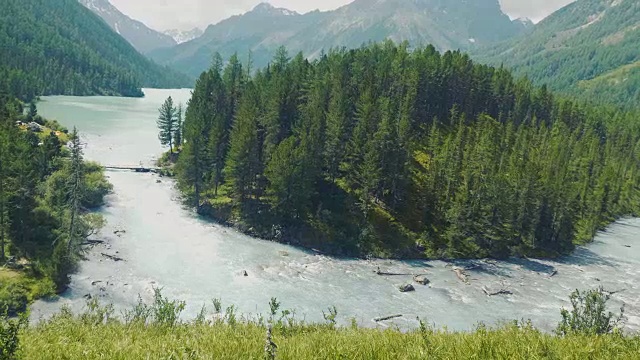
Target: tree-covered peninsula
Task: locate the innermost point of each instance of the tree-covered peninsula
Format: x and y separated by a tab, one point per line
391	152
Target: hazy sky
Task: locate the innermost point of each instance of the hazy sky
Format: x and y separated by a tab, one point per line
186	14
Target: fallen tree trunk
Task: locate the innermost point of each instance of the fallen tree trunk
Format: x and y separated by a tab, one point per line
461	275
494	293
391	274
383	273
112	257
378	319
93	242
615	292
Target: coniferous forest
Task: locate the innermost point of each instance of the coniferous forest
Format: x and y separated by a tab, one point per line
390	152
46	189
61	48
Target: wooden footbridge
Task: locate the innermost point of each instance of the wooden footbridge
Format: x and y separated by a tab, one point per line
134	168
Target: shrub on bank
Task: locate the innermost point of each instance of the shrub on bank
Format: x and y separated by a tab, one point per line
17	290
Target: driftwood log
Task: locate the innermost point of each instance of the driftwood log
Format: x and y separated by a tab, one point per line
614	292
384	318
494	293
461	275
553	273
112	257
383	273
93	242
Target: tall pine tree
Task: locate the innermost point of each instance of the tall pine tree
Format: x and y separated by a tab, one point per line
167	123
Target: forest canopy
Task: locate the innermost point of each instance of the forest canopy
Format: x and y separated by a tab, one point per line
46	191
391	152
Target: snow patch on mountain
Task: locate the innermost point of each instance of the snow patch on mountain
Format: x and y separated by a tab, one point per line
182	36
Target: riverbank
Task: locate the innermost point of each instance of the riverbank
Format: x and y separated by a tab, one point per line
165	244
50	218
260	222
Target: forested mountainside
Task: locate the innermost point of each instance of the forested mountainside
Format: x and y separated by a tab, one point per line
589	48
60	47
136	33
392	152
447	24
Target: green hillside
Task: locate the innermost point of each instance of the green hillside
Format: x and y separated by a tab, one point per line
60	47
588	43
621	83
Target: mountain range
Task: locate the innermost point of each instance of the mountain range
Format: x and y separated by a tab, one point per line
143	38
447	24
181	36
588	48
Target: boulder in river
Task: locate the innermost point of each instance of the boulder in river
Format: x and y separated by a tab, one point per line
421	279
406	288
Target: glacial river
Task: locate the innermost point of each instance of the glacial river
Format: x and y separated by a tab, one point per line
166	245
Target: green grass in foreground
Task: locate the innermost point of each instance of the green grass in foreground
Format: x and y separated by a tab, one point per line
69	338
154	331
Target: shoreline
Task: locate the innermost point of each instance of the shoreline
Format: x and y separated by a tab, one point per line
195	259
546	269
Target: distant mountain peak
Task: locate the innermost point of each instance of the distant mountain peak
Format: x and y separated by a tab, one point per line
182	36
263	6
525	22
135	32
267	8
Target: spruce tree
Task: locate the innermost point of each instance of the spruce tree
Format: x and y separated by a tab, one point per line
193	164
167	123
285	174
243	164
33	111
4	177
177	135
74	189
